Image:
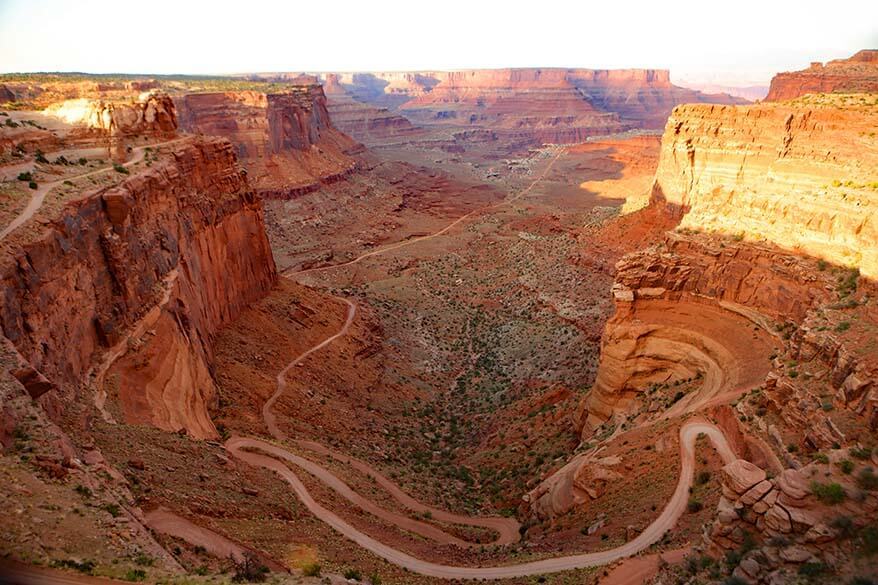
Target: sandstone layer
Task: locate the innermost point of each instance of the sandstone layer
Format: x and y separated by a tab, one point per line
802	176
857	74
286	140
170	255
368	124
548	105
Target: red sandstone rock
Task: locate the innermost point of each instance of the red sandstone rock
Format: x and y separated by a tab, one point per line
856	74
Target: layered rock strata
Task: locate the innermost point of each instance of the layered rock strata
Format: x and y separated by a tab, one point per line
802	176
857	74
286	140
130	284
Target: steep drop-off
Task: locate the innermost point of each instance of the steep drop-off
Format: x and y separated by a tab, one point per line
803	176
145	272
286	140
856	74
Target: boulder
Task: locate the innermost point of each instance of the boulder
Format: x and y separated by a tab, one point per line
740	475
756	493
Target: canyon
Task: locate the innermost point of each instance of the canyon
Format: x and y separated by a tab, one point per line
482	324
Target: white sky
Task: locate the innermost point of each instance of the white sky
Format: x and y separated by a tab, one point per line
735	42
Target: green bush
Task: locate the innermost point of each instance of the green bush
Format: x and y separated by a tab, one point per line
135	575
867	479
27	176
828	493
694	505
374	579
352	574
311	570
703	477
33	185
860	453
843	326
120	169
846	466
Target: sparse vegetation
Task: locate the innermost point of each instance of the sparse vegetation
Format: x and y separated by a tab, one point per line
249	569
828	493
311	570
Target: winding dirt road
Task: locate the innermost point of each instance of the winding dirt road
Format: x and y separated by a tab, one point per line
241	448
39	195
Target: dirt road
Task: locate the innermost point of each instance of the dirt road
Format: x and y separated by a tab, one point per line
242	449
39	195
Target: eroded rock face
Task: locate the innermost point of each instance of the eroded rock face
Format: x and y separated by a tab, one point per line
286	140
174	252
856	74
694	307
365	123
154	115
801	176
530	105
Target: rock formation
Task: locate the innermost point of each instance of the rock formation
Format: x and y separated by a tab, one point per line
804	177
368	124
154	115
542	105
171	254
857	74
286	140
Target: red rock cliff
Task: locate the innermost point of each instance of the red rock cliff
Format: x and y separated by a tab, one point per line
166	258
286	140
802	176
854	75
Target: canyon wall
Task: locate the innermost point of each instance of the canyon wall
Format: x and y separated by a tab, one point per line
368	124
804	177
696	307
552	105
286	140
142	275
154	115
857	74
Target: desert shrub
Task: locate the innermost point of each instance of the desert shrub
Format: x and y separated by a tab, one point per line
41	158
249	569
860	453
120	169
828	493
352	574
821	457
374	579
694	505
113	510
703	477
26	176
844	525
867	479
311	570
843	326
846	466
33	185
135	575
86	566
813	569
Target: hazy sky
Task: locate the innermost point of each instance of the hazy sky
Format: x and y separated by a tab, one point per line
737	41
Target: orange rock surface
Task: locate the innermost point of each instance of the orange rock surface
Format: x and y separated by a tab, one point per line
856	74
173	254
803	176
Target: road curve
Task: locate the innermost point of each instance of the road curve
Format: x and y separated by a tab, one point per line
39	195
444	230
507	528
675	507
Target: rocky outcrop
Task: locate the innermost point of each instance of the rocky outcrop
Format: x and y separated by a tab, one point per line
153	115
857	74
696	308
366	123
802	176
583	479
132	282
286	140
